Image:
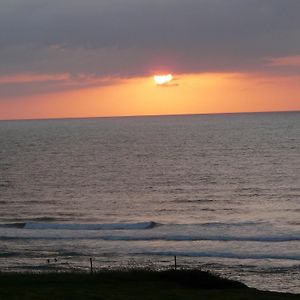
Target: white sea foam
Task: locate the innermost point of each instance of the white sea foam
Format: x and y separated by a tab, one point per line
64	235
274	238
231	255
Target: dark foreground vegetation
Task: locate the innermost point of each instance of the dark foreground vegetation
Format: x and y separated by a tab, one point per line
129	285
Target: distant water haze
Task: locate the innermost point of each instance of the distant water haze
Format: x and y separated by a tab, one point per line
219	191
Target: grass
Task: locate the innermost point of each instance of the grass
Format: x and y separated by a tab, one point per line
133	285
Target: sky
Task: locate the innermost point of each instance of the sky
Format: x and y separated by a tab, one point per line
92	58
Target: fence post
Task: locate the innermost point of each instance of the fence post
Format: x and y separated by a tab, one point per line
91	265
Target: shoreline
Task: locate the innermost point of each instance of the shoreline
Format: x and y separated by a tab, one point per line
129	284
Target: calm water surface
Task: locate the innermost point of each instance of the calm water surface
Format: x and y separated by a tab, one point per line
219	191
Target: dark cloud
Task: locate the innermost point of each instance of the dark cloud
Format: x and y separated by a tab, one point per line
136	37
40	84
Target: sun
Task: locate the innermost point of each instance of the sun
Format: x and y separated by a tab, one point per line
162	79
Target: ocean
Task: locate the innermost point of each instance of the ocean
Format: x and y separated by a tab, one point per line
221	192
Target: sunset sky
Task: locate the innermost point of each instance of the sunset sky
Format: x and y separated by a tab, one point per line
92	58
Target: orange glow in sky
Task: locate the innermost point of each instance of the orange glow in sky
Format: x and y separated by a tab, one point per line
192	94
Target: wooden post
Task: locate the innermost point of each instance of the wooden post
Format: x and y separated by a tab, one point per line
91	265
175	263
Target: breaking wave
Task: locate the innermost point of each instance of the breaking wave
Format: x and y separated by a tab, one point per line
114	226
160	237
230	255
78	226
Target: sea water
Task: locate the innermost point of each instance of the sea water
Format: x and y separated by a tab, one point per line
221	192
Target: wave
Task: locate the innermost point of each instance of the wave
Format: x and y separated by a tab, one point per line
104	226
167	238
220	238
191	254
13	225
215	254
39	224
42	219
10	254
224	224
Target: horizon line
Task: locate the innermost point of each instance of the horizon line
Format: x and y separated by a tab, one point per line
151	115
